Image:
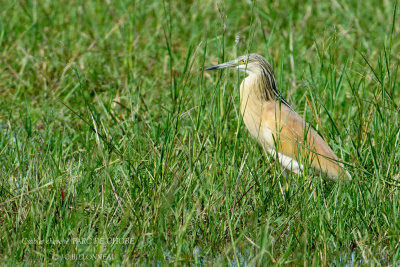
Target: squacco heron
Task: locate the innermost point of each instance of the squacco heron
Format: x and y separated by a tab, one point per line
276	125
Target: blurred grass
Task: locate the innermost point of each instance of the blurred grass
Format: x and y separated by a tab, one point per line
115	144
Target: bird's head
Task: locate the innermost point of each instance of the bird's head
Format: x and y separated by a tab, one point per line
252	64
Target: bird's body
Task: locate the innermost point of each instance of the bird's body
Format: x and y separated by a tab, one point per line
275	124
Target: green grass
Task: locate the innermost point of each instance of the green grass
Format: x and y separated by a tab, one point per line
115	146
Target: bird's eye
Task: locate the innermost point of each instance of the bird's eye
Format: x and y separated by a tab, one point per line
242	61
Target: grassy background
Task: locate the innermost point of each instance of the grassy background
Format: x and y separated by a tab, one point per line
116	147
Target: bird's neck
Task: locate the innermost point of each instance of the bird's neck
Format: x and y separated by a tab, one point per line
257	87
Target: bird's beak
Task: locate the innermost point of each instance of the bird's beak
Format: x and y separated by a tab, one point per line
226	65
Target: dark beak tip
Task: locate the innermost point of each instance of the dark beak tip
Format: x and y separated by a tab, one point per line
211	68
